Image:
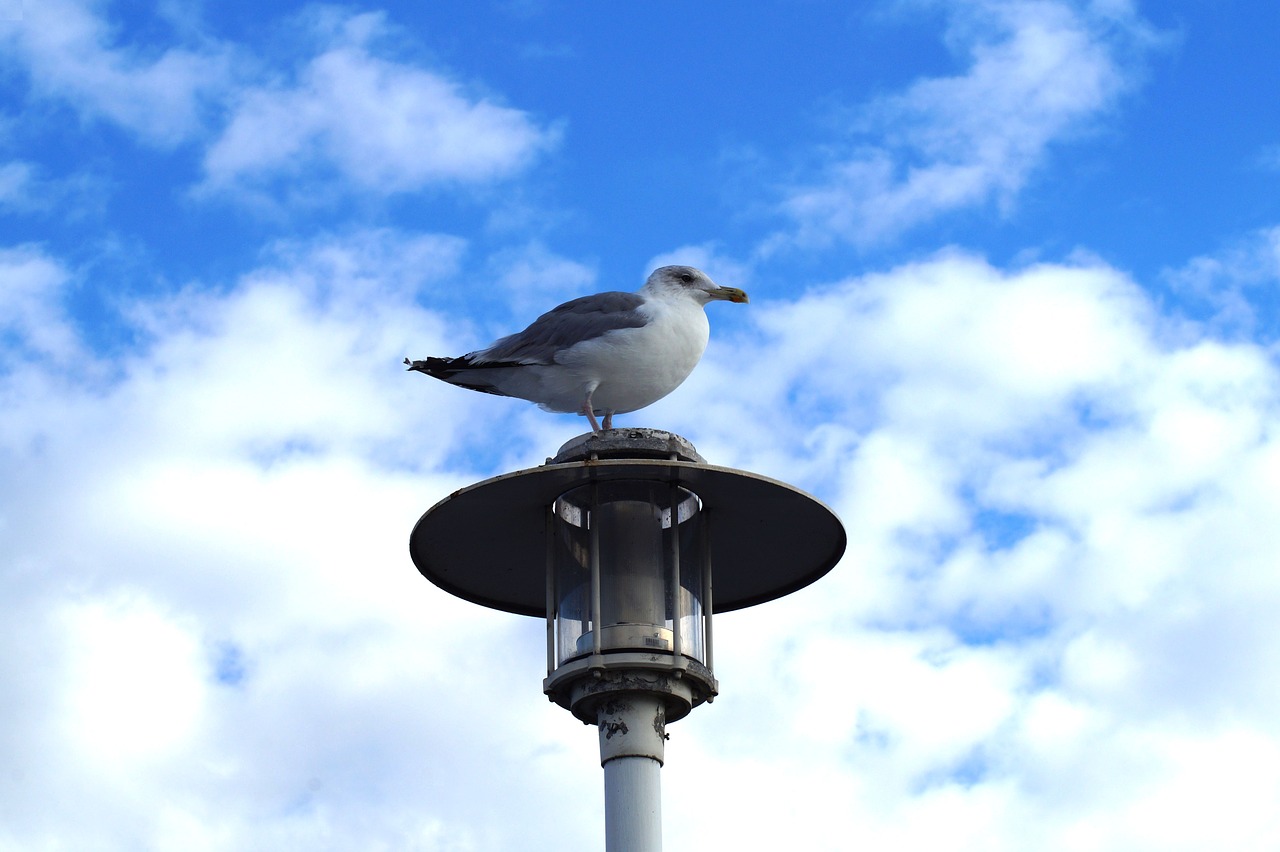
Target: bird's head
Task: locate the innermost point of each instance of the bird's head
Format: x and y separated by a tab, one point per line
694	282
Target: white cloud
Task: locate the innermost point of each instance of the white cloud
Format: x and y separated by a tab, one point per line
384	125
15	184
350	115
70	53
1231	283
32	290
301	386
25	189
1055	686
135	689
232	512
1038	71
180	542
532	279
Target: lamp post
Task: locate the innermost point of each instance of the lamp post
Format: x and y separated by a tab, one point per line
613	542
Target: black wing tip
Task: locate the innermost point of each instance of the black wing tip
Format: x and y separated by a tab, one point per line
456	371
431	366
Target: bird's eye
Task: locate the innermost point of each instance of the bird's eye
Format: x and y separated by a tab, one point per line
686	277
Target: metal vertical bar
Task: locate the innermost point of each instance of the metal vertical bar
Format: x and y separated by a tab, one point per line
704	547
593	524
676	647
552	612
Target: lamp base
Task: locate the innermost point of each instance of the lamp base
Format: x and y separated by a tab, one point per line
583	685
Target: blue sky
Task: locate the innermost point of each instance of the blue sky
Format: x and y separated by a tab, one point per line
1013	267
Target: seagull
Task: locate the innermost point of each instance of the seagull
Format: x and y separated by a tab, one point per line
606	354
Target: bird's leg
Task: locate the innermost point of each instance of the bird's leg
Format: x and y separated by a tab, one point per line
591	415
608	421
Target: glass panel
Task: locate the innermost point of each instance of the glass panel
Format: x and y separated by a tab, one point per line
631	522
690	605
573	578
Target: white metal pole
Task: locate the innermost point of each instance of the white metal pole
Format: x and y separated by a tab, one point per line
632	746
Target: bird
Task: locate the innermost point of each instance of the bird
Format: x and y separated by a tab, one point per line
604	354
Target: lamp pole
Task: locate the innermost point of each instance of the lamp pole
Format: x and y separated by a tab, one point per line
632	740
613	543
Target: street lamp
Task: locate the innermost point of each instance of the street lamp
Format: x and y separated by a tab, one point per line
614	542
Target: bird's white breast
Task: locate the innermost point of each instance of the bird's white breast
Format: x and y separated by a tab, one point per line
634	367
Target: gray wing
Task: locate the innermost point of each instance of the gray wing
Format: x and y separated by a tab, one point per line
559	328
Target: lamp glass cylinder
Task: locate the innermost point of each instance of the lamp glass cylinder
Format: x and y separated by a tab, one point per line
626	557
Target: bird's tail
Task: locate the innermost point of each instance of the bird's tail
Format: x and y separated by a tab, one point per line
461	371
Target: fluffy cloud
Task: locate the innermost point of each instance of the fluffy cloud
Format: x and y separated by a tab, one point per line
1037	72
15	184
1048	629
71	54
1054	612
1232	284
25	189
31	313
172	556
1053	625
351	114
532	279
382	125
